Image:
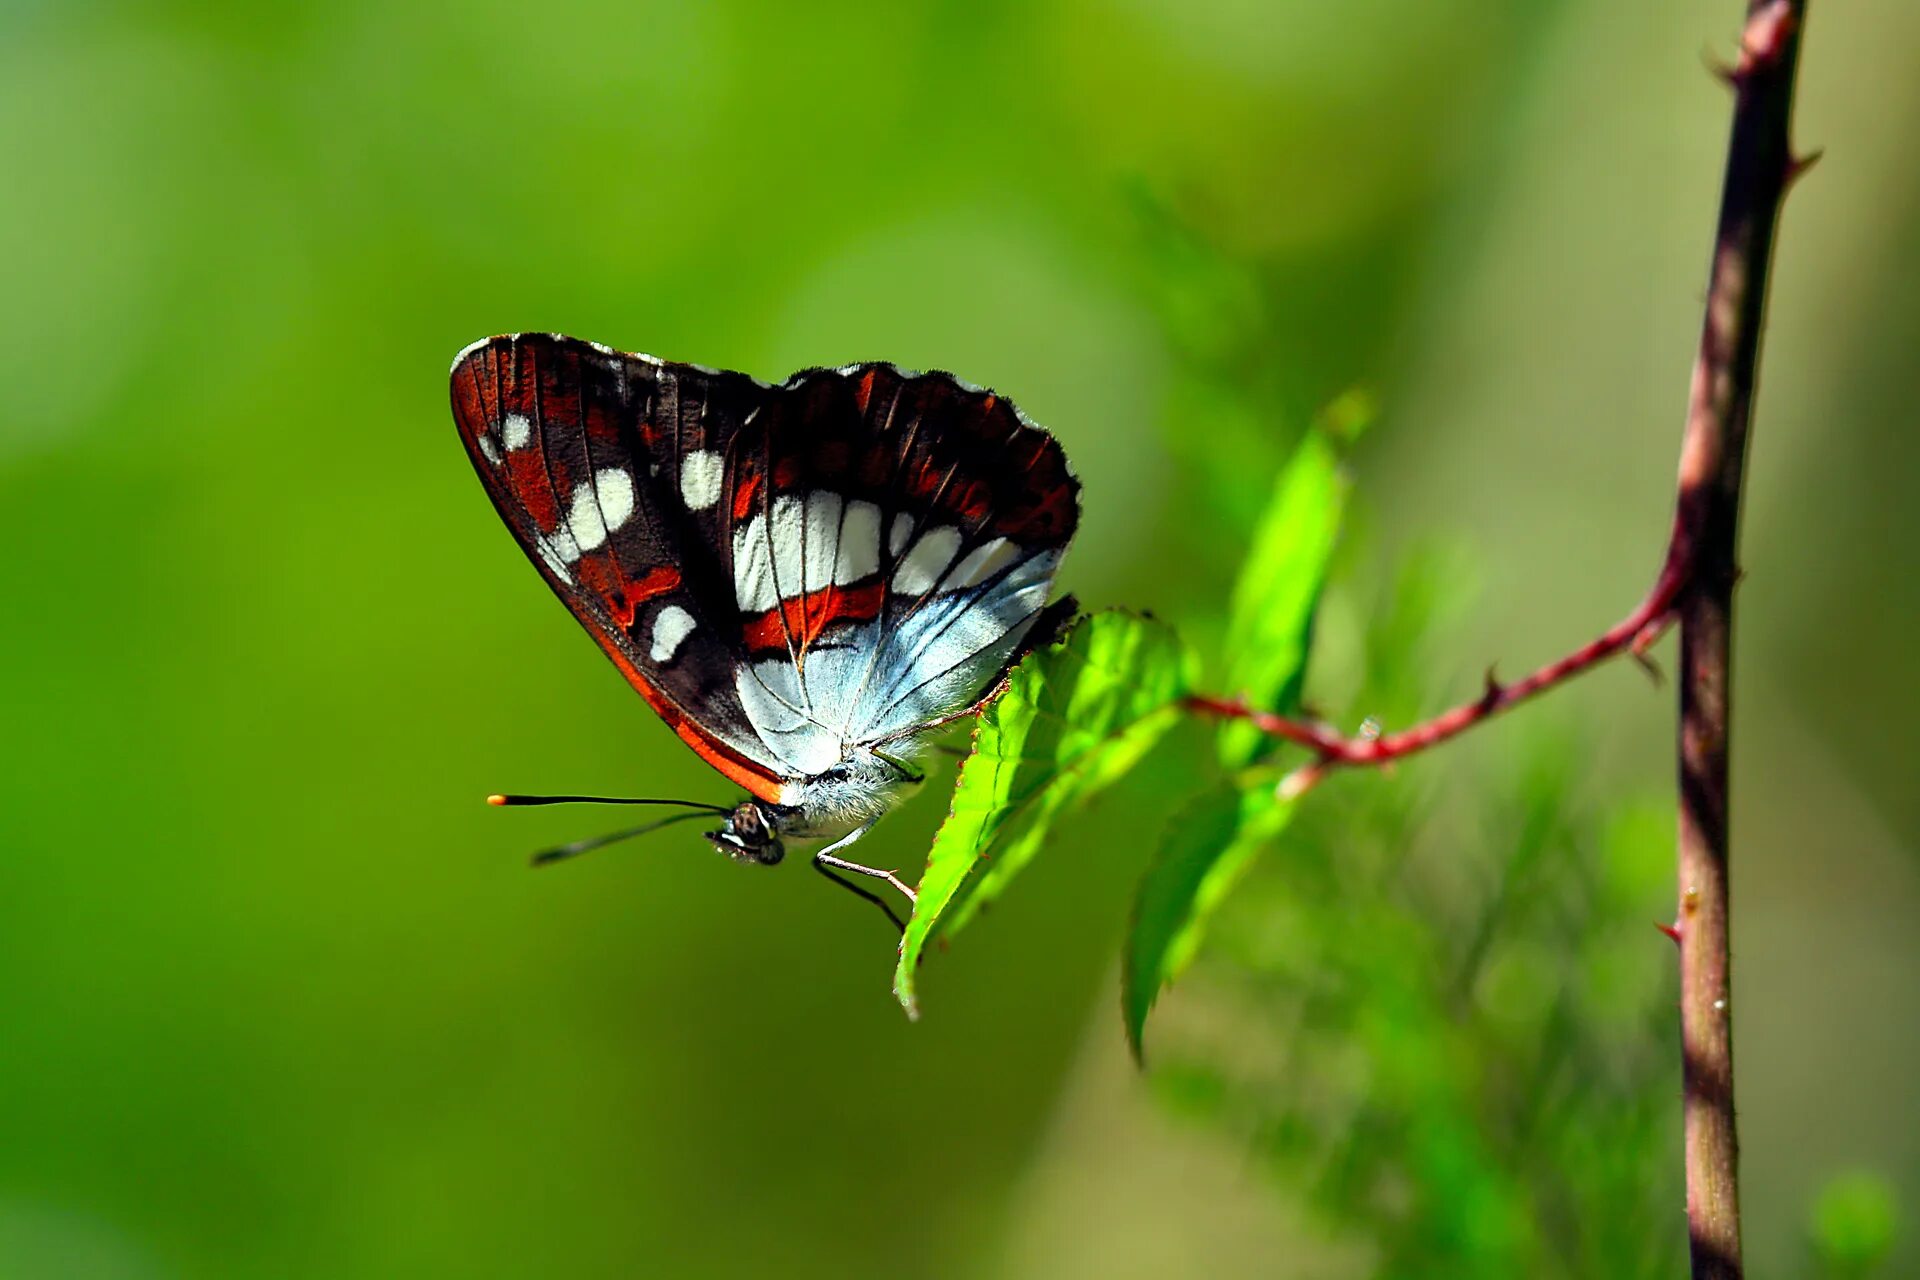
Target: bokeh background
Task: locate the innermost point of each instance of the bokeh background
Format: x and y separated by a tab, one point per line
278	995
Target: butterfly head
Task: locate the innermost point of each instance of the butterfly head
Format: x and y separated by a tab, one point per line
749	835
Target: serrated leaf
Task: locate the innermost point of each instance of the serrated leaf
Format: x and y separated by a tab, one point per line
1075	717
1271	621
1207	848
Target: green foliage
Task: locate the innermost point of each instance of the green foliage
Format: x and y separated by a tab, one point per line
1853	1227
1208	847
1440	1017
1407	1011
1075	717
1078	715
1271	622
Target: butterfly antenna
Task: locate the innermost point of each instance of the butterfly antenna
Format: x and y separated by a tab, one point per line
686	804
579	847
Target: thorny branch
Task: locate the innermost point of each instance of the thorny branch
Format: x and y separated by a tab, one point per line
1760	167
1636	632
1695	588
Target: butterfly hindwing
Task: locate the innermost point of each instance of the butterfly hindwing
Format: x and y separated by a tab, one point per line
939	514
784	572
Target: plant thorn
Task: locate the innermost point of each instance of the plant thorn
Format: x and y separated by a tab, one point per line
1798	165
1721	70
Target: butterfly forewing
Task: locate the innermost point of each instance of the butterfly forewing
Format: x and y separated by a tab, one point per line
784	572
574	443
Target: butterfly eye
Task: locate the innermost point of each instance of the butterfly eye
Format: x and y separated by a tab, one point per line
754	843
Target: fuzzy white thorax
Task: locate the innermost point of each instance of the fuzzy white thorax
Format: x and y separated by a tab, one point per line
861	788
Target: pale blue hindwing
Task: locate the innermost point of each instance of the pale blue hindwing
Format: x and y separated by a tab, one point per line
926	658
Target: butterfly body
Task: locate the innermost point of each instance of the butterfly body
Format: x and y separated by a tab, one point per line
839	805
857	790
803	580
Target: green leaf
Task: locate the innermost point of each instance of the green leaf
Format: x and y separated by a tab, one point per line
1074	718
1271	621
1207	849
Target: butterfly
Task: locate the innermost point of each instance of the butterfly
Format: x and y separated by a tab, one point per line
804	581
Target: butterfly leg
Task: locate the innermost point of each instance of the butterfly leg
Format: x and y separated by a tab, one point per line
858	892
825	859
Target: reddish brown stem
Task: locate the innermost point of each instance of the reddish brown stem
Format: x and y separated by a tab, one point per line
1695	587
1635	632
1760	167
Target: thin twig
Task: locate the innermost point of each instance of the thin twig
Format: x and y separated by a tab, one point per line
1635	632
1695	588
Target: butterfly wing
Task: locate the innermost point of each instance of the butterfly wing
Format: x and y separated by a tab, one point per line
783	572
585	452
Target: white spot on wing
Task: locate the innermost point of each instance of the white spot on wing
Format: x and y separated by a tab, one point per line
981	563
823	538
926	560
517	430
897	536
700	473
859	553
789	518
584	522
488	448
615	488
671	626
753	568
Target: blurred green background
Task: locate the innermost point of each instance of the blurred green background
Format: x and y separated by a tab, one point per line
278	995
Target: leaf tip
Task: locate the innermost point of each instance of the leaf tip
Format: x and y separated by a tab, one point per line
1136	1024
1346	417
